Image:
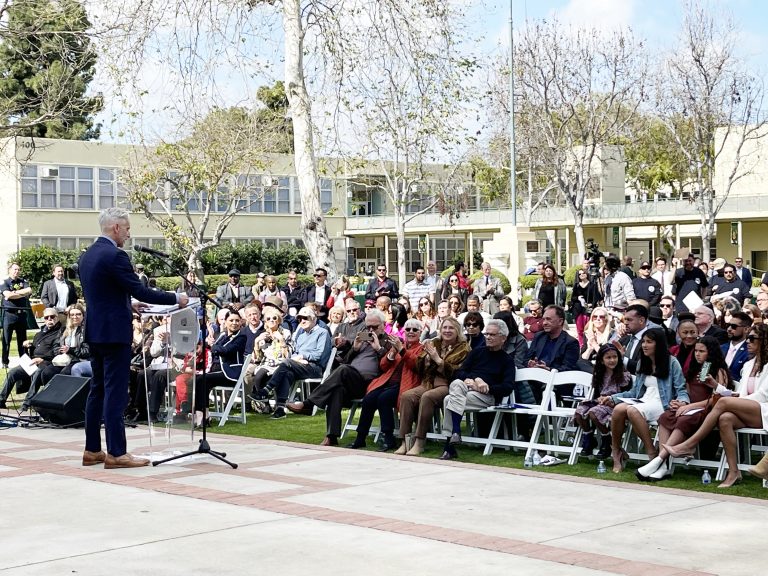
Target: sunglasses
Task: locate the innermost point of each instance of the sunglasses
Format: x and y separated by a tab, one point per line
411	329
599	316
424	304
734	326
665	305
301	318
454	280
381	269
753	338
50	316
353	309
319	275
369	306
271	318
471	324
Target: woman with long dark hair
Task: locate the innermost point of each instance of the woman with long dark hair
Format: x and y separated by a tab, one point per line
748	408
584	298
707	370
452	288
550	288
659	385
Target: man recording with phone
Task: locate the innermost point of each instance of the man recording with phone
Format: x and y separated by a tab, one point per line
351	378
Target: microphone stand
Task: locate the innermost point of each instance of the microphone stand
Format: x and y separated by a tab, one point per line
203	447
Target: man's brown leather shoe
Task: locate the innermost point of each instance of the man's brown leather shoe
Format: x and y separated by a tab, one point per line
93	458
303	408
124	461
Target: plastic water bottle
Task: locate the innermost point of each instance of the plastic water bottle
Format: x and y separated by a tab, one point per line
601	467
706	478
765	483
528	463
536	459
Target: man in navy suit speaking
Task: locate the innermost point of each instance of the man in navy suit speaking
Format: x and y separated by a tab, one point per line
108	283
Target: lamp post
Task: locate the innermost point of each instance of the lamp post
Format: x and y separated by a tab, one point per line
512	190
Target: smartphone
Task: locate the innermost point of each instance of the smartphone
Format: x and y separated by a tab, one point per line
704	371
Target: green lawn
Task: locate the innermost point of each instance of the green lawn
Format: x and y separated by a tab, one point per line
311	430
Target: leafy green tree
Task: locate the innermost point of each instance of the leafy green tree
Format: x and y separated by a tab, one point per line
37	263
273	118
48	62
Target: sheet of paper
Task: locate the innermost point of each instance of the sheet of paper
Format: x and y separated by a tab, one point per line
694	411
630	400
692	301
723	391
26	363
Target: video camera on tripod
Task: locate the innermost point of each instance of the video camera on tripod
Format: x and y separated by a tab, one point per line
593	256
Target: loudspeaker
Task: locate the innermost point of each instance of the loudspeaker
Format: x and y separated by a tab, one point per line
62	401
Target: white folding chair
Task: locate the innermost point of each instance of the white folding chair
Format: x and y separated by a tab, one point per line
549	417
545	377
302	388
235	394
744	447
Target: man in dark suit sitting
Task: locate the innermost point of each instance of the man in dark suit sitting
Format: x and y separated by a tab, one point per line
735	352
553	348
108	283
636	323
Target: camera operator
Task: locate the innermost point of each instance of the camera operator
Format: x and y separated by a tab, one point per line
618	286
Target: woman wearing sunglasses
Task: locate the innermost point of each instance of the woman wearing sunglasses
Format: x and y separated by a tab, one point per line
748	408
399	374
597	333
473	329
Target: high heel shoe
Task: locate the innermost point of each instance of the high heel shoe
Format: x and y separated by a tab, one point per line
620	462
733	483
676	452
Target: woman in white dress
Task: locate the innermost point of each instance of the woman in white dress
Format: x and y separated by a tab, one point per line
747	408
659	385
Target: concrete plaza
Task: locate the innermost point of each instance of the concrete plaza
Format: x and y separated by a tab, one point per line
300	509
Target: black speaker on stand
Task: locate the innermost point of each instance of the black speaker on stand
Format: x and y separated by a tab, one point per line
62	401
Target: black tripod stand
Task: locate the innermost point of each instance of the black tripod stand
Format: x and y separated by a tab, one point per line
203	447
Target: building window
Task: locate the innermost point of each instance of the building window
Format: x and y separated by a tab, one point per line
412	255
29	197
444	251
326	194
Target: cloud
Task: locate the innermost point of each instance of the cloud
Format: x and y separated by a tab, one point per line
600	14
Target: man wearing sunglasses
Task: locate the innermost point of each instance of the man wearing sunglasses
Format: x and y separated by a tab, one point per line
731	285
350	379
668	315
43	347
381	285
735	351
319	292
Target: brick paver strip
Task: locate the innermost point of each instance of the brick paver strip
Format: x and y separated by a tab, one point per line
272	501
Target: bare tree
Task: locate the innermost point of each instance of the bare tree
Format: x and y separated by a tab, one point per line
581	89
402	95
713	107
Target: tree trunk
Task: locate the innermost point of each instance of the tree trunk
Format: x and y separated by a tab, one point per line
314	231
578	231
400	236
706	230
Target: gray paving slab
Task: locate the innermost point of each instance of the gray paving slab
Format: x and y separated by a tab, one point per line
353	516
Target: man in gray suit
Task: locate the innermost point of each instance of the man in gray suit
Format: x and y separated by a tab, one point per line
234	295
488	289
59	293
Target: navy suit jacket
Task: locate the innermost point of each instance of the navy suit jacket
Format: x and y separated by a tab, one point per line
565	355
108	282
739	359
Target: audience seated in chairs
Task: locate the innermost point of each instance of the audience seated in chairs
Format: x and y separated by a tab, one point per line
598	332
748	410
437	363
311	352
660	385
41	349
350	380
72	347
678	424
485	377
399	374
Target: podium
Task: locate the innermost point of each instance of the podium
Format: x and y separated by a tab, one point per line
183	333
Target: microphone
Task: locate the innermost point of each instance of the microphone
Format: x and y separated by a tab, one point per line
151	251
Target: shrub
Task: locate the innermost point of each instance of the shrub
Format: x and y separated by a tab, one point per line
529	282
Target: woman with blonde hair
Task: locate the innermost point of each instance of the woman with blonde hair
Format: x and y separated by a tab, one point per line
598	332
439	359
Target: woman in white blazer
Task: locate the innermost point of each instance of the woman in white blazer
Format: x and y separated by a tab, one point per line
748	408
